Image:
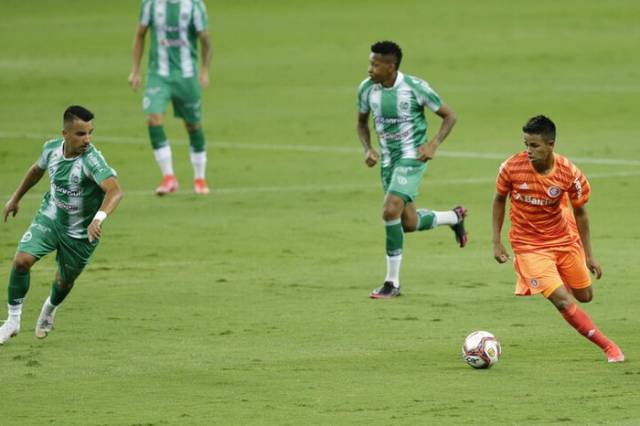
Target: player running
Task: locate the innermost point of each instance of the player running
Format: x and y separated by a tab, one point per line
84	191
176	27
551	243
397	102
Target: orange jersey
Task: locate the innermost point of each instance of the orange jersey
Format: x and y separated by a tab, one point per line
540	215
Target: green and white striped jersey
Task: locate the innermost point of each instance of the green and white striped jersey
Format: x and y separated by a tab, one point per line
174	26
398	114
74	196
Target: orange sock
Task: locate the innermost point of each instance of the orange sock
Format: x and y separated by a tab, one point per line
585	326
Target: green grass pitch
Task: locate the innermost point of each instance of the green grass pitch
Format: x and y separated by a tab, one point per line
250	306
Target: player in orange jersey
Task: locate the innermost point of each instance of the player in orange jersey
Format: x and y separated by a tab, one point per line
552	247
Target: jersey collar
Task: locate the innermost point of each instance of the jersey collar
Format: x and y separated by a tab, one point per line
399	79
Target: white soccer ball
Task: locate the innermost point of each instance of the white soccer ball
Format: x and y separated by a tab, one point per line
481	349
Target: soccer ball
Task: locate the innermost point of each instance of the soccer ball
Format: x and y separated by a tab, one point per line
481	349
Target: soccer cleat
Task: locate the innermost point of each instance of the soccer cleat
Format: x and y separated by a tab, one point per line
200	187
44	325
458	228
8	330
168	185
386	291
614	354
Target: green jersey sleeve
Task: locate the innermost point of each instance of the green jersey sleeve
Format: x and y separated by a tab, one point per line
363	95
145	13
96	167
45	155
200	18
425	95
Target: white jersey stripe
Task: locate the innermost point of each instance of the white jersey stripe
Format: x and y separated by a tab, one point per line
161	35
186	62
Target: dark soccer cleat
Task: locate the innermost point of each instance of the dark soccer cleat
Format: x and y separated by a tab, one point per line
458	228
386	291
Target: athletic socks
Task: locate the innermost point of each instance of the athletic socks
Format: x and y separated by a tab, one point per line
157	137
585	326
393	270
58	294
448	217
199	163
429	219
18	286
196	140
164	160
48	307
395	240
426	220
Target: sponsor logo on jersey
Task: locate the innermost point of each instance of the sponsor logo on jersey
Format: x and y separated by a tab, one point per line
532	200
65	191
392	120
173	43
395	136
65	206
554	191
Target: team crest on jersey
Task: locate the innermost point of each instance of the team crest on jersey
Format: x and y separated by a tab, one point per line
404	106
554	191
26	237
534	283
374	105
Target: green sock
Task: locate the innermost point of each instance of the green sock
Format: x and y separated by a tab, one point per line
196	140
157	136
18	286
58	294
426	219
395	237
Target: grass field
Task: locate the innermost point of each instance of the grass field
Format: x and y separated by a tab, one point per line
250	306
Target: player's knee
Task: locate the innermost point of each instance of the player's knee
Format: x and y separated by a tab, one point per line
392	209
154	120
391	212
22	262
584	298
192	127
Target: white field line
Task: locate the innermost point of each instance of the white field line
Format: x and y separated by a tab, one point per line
338	188
319	148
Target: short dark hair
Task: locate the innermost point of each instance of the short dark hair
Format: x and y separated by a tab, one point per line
540	125
76	112
388	48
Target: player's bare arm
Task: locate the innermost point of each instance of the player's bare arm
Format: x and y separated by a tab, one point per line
500	253
33	176
582	221
112	196
206	50
428	151
364	134
138	50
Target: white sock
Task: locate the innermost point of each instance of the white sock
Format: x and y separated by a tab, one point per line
15	312
446	218
164	160
48	307
199	163
393	270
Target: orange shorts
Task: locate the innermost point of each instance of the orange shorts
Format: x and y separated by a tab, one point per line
544	270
